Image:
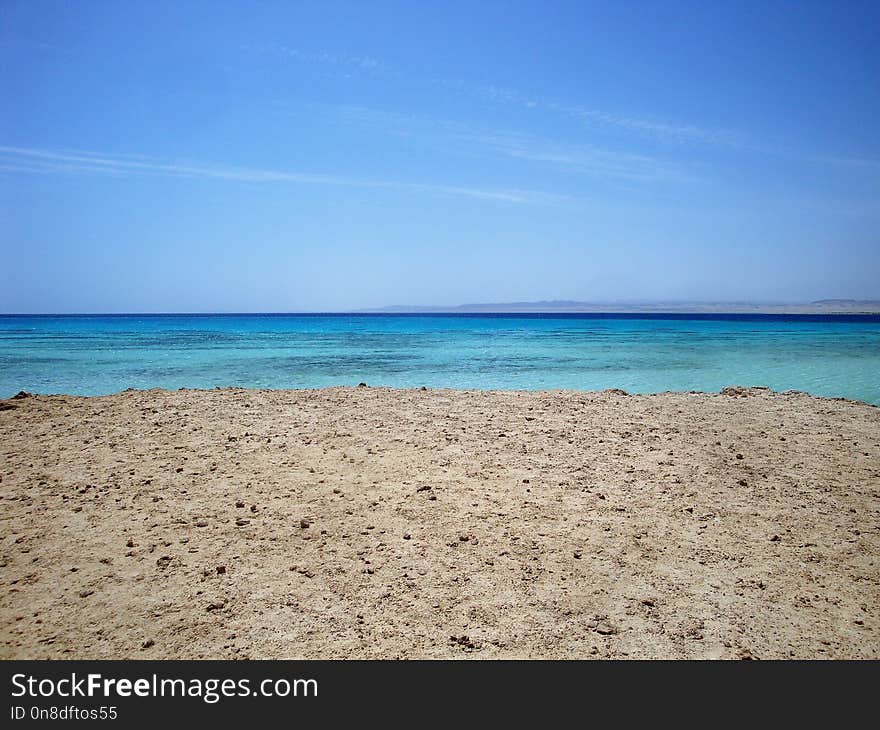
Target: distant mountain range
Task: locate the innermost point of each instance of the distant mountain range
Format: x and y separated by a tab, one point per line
821	306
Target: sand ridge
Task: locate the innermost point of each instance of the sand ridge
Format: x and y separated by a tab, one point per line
374	522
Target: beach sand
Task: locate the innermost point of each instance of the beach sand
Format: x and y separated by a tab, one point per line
371	522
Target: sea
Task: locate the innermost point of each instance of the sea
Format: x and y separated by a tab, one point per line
827	355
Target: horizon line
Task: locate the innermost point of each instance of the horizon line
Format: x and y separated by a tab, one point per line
543	306
449	313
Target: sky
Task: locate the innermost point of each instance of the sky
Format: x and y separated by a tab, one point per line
324	156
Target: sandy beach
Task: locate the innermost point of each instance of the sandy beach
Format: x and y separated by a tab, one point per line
370	522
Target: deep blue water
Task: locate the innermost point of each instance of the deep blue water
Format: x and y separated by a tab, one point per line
97	354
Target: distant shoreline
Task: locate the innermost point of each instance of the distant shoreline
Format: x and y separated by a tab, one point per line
823	306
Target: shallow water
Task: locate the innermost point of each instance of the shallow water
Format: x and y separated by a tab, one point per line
97	354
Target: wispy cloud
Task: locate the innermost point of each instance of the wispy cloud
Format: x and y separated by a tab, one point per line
460	138
664	131
635	126
659	130
42	161
591	160
361	63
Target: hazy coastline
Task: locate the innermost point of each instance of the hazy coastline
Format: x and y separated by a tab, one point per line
824	306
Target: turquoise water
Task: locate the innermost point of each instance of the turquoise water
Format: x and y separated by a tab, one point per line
89	355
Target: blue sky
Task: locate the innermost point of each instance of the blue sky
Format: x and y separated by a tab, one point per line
324	156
